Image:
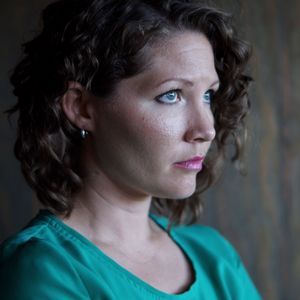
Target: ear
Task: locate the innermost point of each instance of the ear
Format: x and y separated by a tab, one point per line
76	104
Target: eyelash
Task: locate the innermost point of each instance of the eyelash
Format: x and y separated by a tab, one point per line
178	92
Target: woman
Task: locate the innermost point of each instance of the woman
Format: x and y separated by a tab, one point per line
119	102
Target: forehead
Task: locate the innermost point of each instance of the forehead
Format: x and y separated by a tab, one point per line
187	55
182	44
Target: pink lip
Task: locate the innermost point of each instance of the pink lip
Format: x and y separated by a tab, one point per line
195	163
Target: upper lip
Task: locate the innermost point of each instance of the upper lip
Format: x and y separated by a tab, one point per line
193	159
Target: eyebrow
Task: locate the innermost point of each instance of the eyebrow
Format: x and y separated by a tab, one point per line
185	81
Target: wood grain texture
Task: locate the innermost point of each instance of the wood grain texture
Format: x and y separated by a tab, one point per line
258	213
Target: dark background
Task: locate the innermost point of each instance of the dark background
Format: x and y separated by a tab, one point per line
258	213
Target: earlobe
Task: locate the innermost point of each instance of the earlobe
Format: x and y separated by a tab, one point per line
75	103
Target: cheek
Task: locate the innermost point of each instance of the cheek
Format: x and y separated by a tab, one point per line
159	131
144	134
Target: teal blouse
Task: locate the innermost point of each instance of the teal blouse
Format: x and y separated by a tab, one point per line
49	260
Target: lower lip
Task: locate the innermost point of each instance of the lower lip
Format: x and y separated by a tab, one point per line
191	165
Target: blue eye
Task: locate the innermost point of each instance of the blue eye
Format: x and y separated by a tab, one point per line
208	96
170	97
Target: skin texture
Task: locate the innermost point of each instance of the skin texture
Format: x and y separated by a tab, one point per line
128	157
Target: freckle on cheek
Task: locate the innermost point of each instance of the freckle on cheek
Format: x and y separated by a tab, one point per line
159	130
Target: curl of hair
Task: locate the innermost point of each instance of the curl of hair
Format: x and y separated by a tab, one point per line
98	43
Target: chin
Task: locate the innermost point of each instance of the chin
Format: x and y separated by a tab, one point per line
178	192
184	195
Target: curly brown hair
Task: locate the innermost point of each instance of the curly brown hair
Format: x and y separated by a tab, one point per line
98	43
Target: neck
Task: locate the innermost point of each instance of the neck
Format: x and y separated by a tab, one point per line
113	220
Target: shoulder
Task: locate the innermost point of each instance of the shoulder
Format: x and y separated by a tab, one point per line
33	252
220	264
219	260
41	241
33	267
33	245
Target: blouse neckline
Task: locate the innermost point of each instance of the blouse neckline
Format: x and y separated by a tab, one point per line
71	233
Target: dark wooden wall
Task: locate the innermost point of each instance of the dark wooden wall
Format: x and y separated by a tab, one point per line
258	213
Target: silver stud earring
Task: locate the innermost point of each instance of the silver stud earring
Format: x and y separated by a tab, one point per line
83	133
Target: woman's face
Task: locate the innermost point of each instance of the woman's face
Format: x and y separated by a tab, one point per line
156	119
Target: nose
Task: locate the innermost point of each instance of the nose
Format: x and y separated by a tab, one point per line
200	126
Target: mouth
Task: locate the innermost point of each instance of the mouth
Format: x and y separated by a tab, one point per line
195	163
